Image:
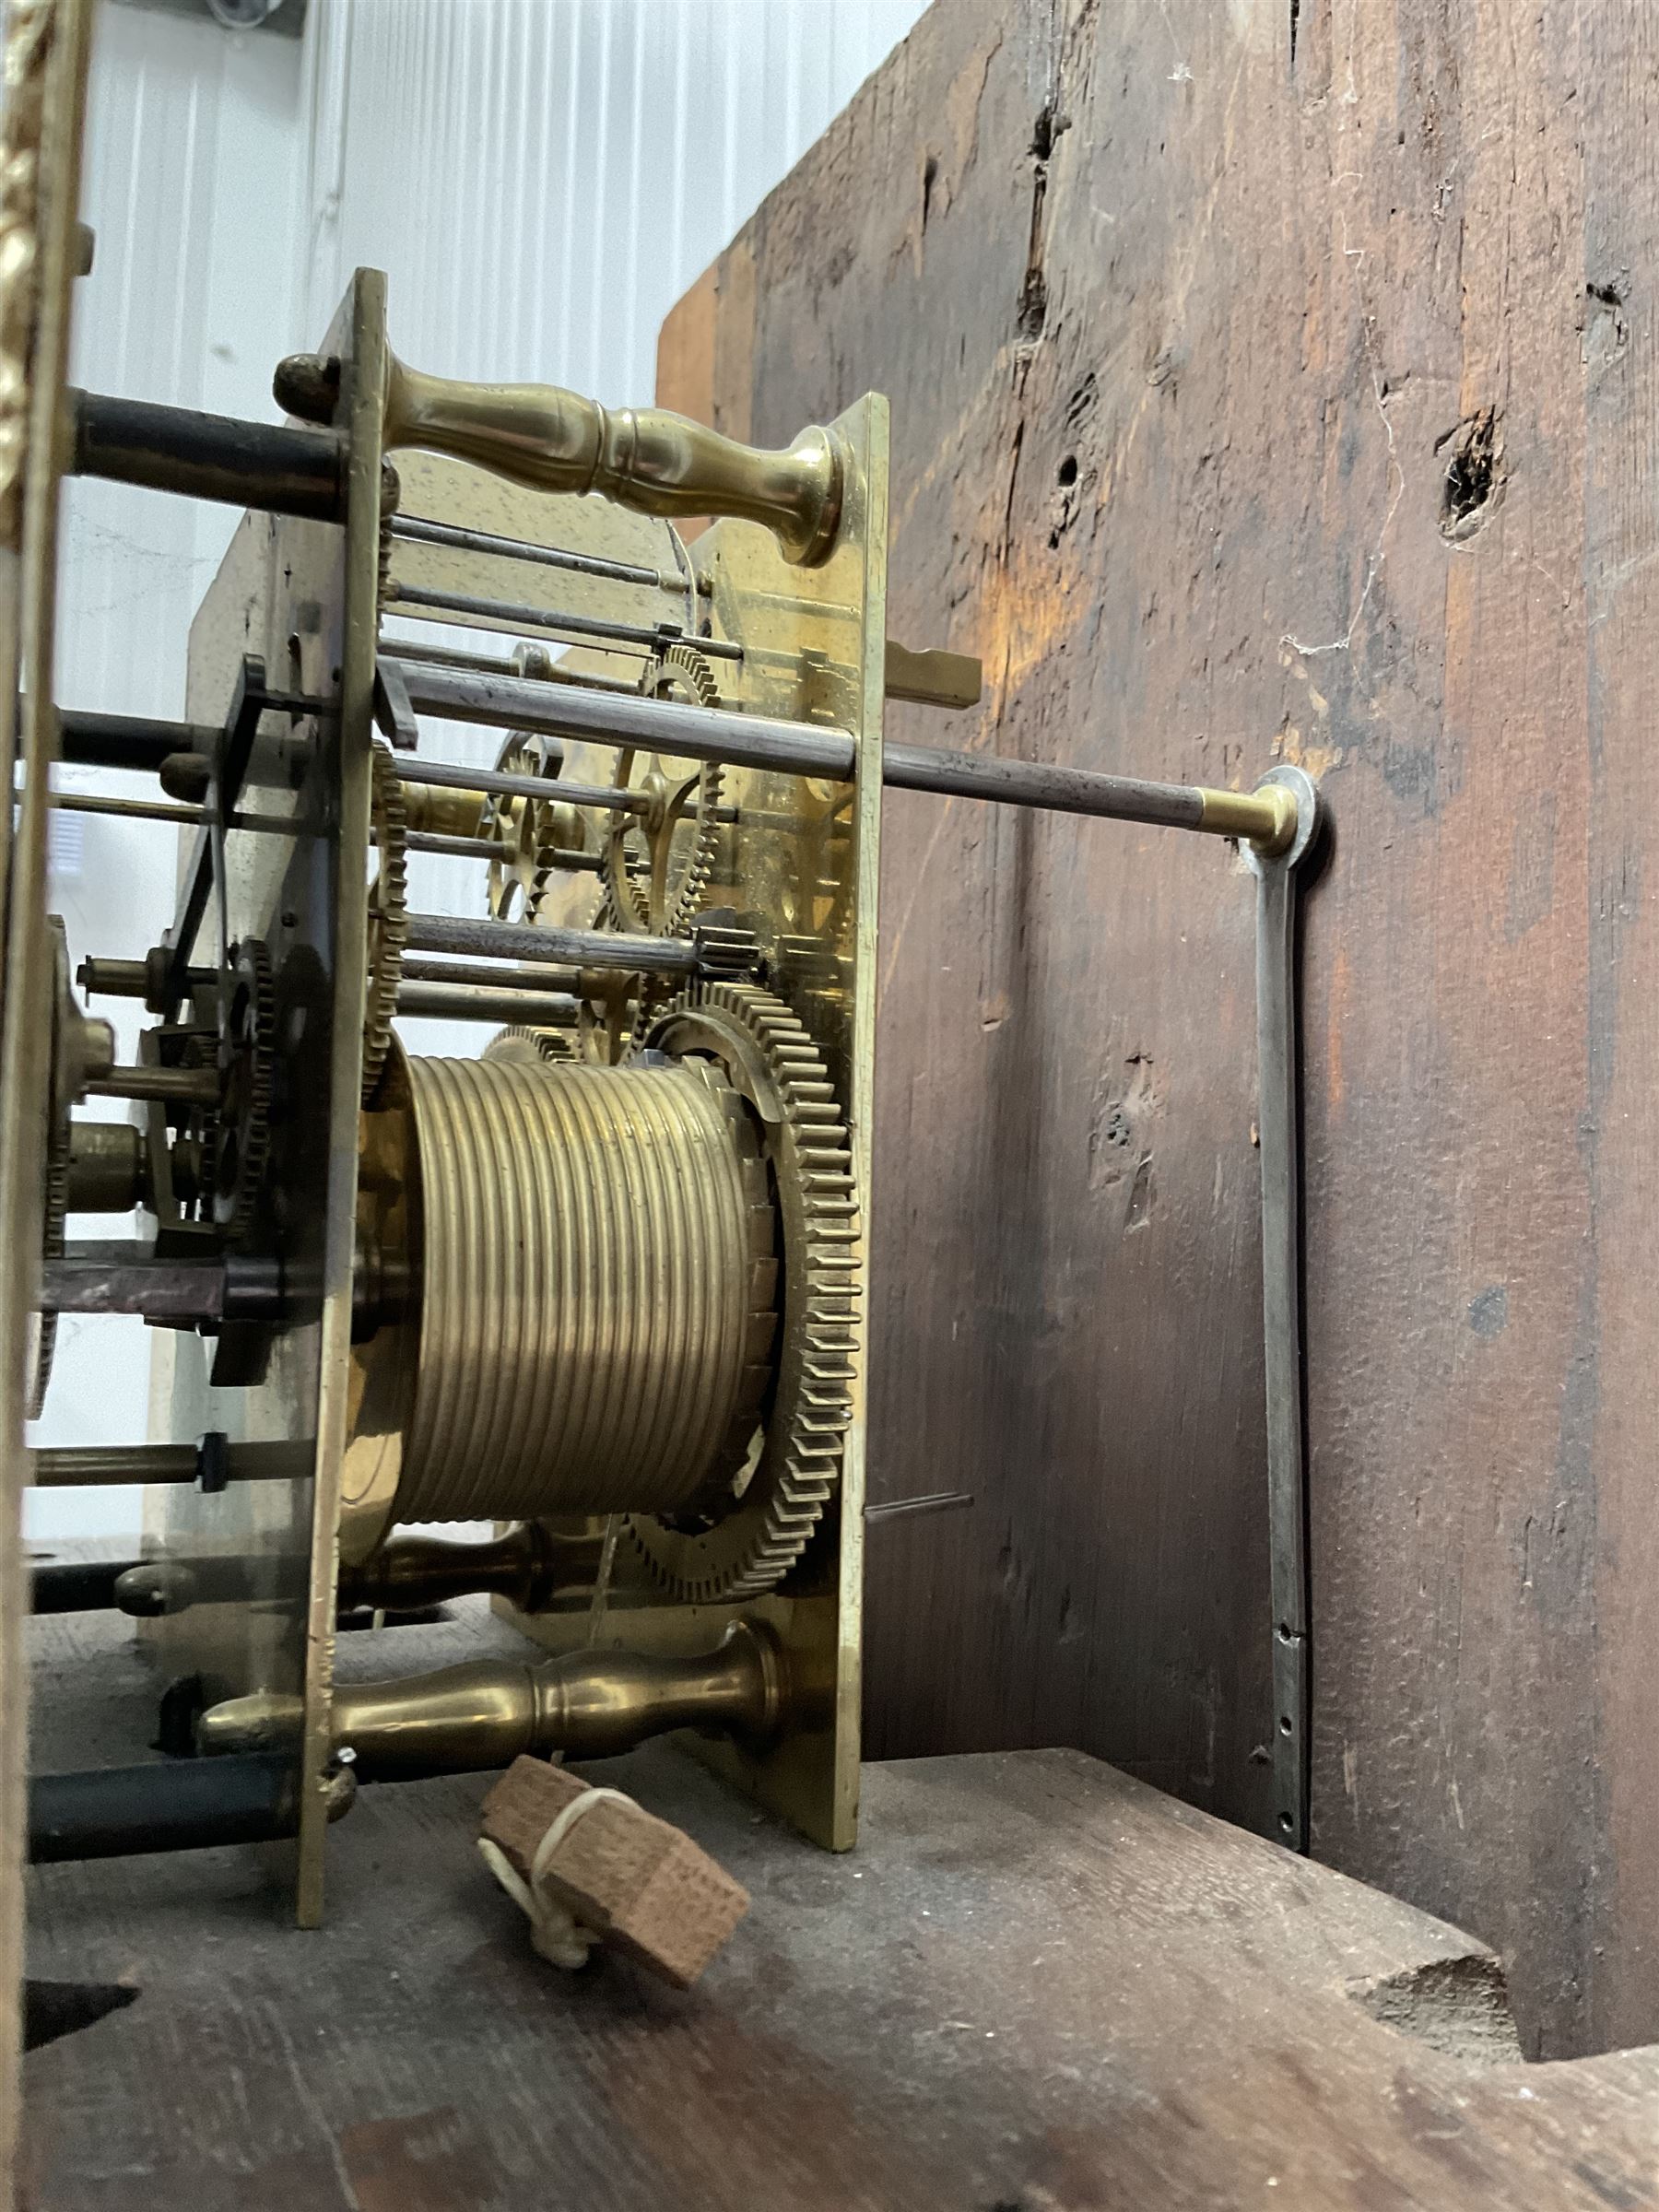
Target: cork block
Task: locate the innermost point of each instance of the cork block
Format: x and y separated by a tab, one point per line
637	1881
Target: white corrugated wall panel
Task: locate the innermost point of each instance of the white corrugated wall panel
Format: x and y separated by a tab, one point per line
191	188
541	178
191	181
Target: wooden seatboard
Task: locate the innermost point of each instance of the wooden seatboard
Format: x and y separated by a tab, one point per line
1036	1982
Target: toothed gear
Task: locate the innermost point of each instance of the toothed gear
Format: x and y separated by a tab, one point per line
727	951
201	1128
653	904
767	1054
56	1210
241	1138
519	1041
388	913
51	1248
684	662
528	831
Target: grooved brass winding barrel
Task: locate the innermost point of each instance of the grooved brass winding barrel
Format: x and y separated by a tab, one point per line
597	1278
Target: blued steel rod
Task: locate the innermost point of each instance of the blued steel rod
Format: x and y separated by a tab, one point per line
184	1086
101	978
130	741
109	1465
457	848
447	656
542	789
522	616
471	1002
568	858
564	948
76	1585
158	810
1279	898
661	725
137	810
172	1805
272	466
124	1277
93	1467
162	1290
1028	783
1266	818
517	549
490	975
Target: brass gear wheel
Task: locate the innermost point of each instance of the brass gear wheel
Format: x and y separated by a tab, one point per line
241	1137
388	913
43	1328
201	1132
740	1543
670	894
528	831
52	1247
609	1021
80	1047
519	1041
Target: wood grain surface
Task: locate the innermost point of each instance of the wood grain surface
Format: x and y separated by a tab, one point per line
1035	1983
1273	380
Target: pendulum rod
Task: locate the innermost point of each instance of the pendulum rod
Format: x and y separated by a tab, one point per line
1278	879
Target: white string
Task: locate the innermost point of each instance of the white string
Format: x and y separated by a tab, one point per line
555	1930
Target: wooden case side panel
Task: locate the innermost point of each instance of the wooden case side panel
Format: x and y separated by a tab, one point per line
1271	382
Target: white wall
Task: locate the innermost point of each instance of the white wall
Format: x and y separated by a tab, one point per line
194	144
540	179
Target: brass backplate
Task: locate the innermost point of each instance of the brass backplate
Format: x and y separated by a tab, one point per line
303	595
802	870
800	865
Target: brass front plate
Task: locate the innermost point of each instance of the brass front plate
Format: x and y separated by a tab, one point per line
303	595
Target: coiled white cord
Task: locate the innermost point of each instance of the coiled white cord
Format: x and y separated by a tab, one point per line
555	1930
